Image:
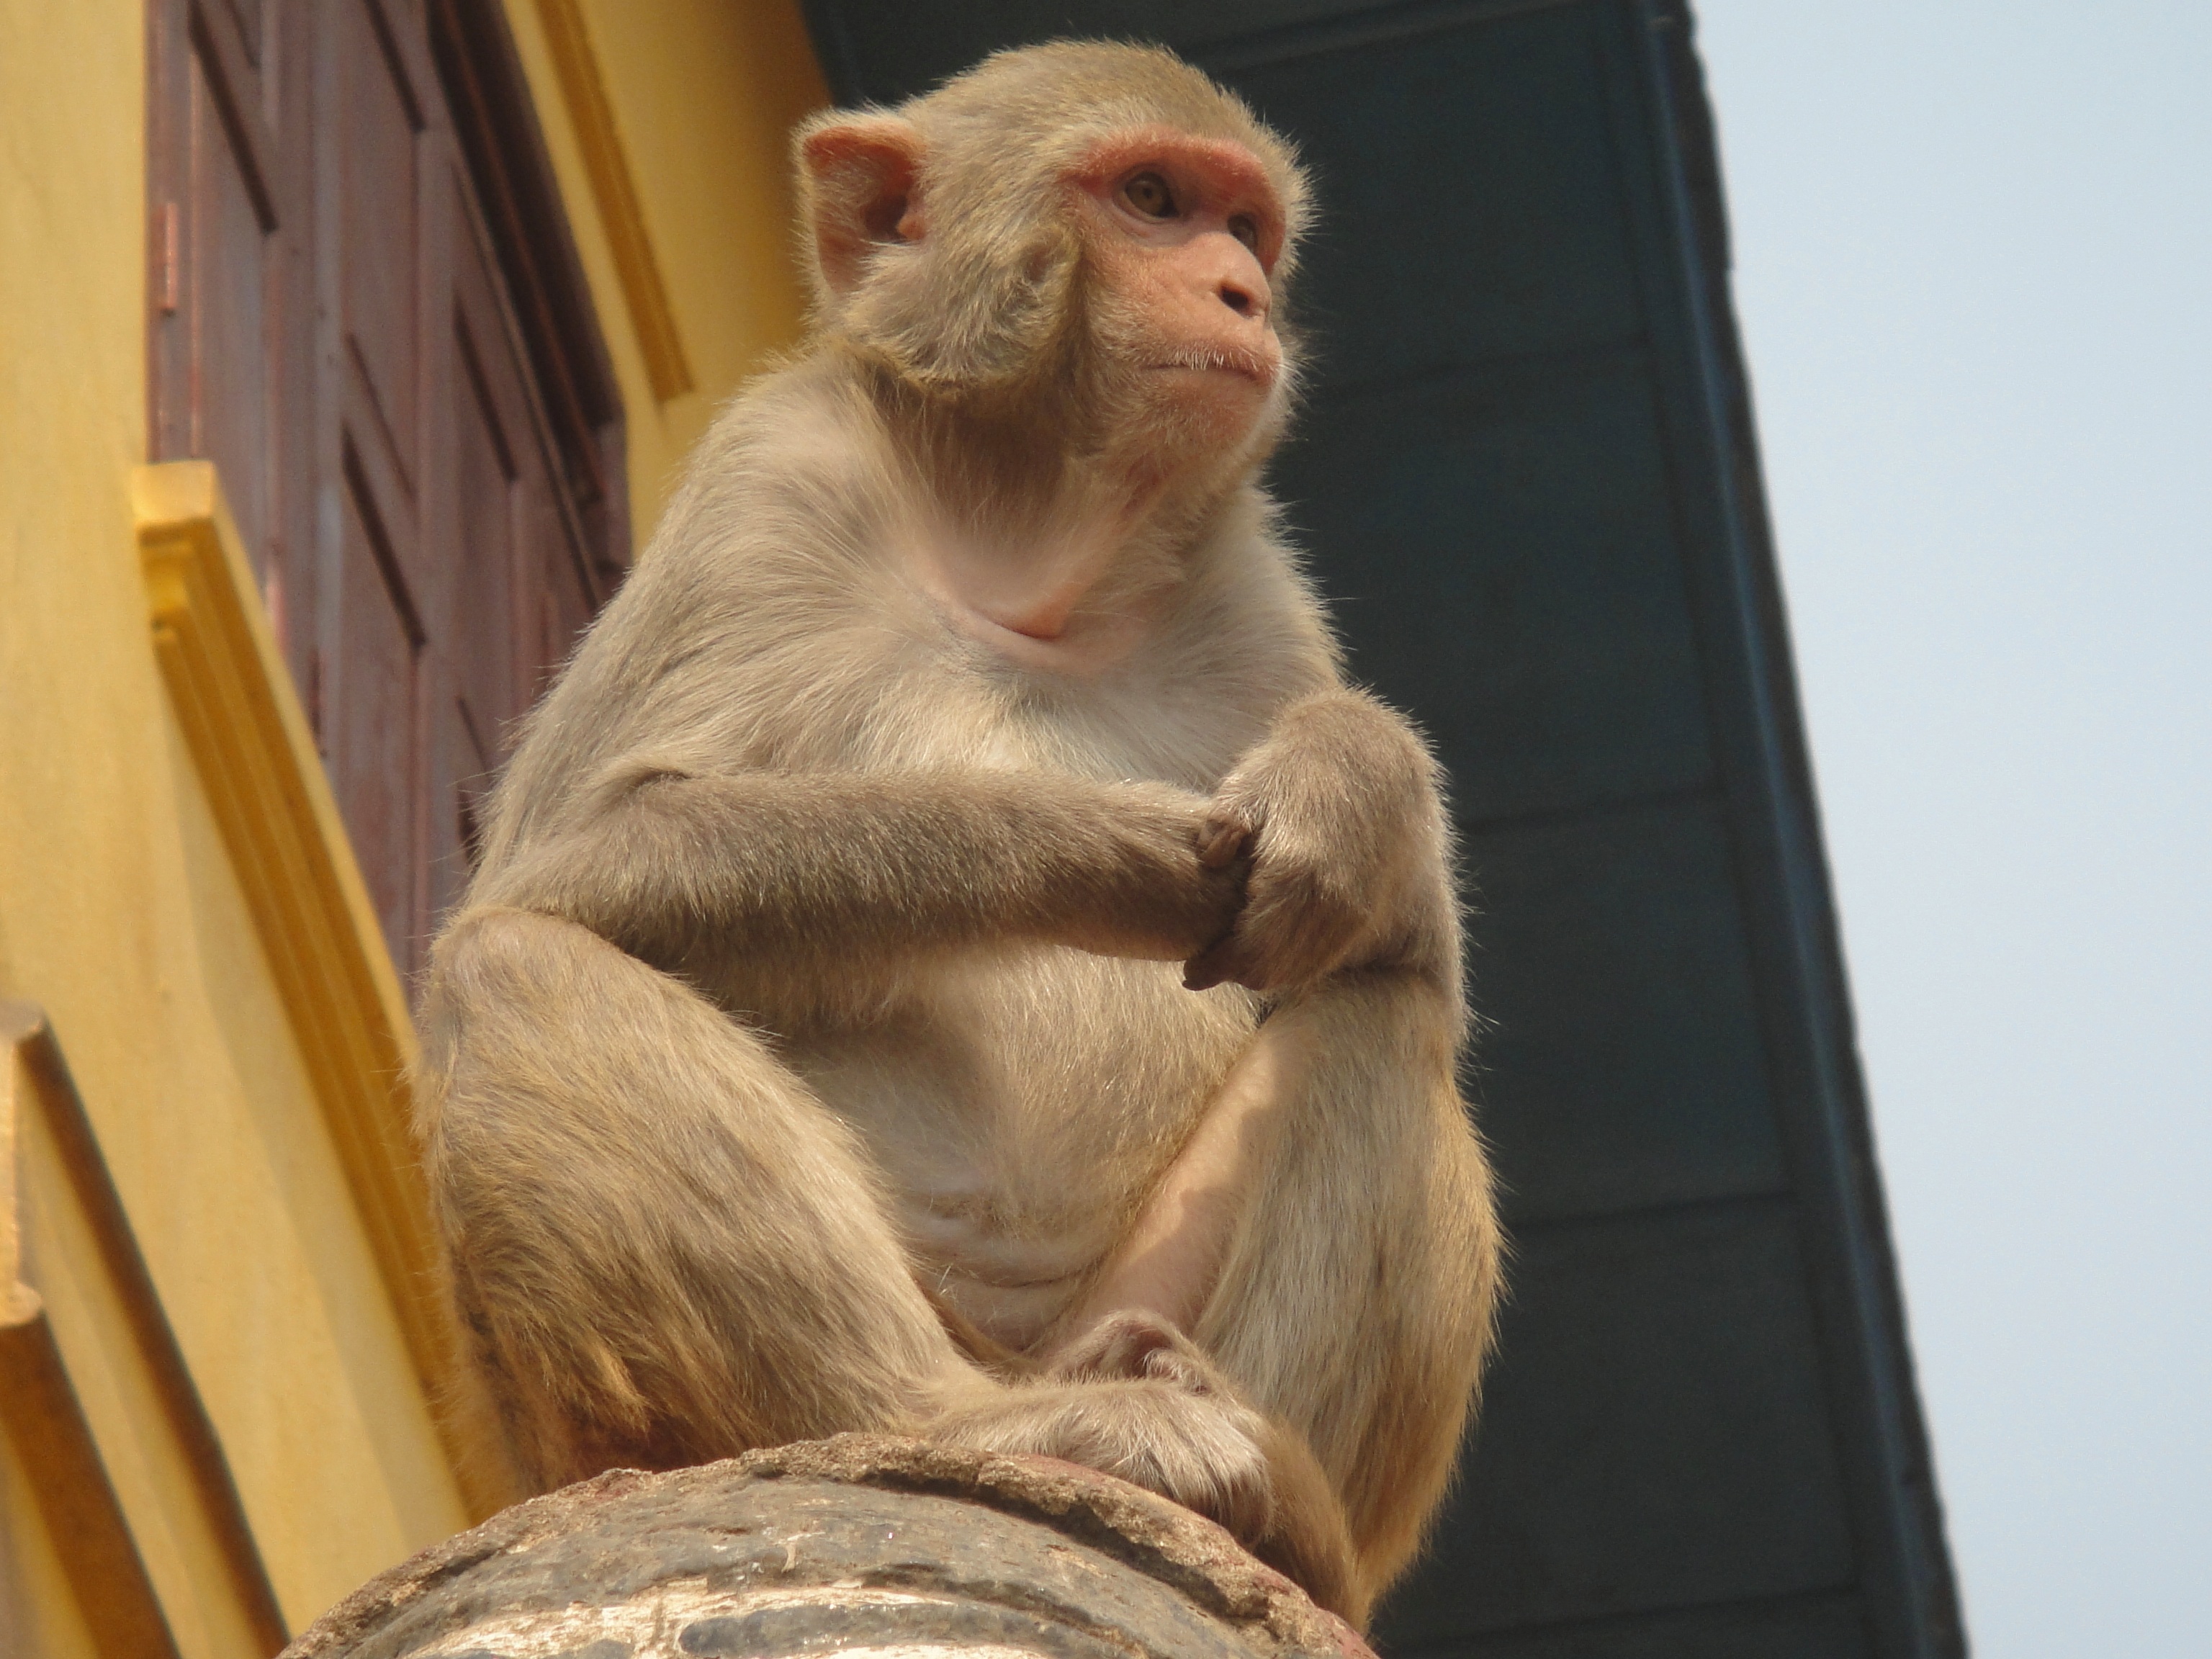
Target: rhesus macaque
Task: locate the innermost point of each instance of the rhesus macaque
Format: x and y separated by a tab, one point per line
952	955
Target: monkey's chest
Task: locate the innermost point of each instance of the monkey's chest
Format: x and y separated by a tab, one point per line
1021	1108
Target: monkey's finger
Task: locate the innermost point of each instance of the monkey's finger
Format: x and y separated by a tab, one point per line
1222	840
1207	969
1232	961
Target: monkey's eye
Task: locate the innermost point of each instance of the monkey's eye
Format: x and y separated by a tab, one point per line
1149	194
1246	229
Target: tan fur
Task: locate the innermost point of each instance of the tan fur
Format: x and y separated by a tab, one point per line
811	1052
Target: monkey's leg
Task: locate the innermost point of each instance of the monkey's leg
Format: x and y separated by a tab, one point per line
1327	1236
666	1249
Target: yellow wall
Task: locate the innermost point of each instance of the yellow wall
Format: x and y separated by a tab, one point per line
703	96
118	910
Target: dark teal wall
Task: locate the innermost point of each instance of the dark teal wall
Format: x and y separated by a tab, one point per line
1527	475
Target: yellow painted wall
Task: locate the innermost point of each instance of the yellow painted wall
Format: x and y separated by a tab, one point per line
119	909
704	96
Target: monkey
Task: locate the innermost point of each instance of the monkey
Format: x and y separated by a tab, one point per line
952	953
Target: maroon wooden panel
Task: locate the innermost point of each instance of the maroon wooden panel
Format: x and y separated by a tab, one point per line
378	209
488	441
414	420
492	462
231	255
228	349
370	736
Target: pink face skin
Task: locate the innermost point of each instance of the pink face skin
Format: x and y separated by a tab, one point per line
1187	230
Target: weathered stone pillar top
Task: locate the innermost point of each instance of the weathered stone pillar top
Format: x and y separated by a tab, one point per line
860	1545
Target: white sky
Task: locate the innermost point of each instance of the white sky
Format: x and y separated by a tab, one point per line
1974	271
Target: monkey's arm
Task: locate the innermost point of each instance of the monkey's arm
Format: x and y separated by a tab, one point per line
830	865
1338	809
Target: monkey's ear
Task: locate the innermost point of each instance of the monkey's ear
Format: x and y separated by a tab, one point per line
859	174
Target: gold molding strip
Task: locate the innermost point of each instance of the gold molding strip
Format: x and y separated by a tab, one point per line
257	757
211	1556
570	40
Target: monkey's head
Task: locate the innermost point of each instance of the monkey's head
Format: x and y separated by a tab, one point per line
1091	235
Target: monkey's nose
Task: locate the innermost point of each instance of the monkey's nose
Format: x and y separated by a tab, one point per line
1241	300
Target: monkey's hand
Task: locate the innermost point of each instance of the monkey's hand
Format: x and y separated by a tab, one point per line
1337	810
1138	878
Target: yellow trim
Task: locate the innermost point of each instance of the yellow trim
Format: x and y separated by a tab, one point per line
256	755
129	1476
570	42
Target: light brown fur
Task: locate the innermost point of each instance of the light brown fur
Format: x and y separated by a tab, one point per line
809	1053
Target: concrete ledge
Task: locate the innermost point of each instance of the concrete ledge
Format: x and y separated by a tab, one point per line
863	1544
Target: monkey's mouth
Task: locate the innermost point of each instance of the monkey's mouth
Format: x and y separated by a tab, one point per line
1251	365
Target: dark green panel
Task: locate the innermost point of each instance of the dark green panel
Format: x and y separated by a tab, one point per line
1470	199
886	53
1502	550
1621	1066
1797	1627
1655	1434
1527	474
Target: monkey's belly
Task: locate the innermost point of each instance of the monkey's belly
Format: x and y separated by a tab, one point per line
1022	1107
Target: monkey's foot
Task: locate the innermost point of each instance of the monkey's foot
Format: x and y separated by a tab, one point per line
1201	1450
1135	1398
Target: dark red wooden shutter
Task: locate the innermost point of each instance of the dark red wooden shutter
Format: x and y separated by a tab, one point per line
367	312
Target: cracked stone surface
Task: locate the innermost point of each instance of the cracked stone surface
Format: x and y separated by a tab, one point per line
862	1545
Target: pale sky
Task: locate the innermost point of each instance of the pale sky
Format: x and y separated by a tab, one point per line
1974	271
